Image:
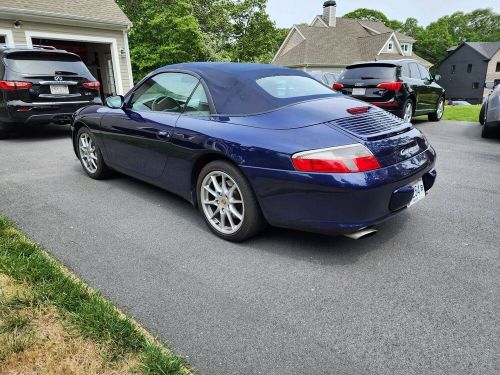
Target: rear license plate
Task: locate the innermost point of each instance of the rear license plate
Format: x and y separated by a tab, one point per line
59	89
418	191
358	91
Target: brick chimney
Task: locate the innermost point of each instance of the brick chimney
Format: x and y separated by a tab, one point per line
330	13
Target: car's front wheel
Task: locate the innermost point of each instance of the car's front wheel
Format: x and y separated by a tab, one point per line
227	202
90	155
438	114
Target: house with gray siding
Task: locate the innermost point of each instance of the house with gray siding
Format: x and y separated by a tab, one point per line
96	30
467	67
331	43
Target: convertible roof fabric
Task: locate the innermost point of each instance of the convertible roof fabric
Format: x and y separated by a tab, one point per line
234	89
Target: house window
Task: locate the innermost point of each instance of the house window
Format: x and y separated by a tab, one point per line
475	85
2	40
405	47
469	68
390	46
498	66
453	69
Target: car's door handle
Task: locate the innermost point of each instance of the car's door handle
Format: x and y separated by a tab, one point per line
163	134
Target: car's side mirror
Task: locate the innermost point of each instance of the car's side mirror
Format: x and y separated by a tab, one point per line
115	102
437	77
489	85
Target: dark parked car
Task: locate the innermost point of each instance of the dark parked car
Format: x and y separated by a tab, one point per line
489	115
42	85
327	78
251	144
402	87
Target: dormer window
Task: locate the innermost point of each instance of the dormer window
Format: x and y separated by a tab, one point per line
405	47
390	46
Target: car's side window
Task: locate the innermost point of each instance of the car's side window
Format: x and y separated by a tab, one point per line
414	72
424	73
405	71
198	103
164	92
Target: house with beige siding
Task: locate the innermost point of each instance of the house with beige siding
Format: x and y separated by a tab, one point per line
331	43
96	30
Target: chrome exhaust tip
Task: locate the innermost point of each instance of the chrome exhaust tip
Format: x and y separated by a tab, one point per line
361	233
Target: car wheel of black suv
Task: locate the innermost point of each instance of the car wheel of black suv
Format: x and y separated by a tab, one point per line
407	111
4	132
482	115
438	115
487	132
227	203
90	155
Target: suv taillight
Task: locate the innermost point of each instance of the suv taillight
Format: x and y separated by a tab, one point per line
338	86
391	86
14	85
93	85
342	159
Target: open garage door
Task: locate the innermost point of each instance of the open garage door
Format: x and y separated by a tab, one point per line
96	56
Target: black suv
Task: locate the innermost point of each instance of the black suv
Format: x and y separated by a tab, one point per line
41	86
402	87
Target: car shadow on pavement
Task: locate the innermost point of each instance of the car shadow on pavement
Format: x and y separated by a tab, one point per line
41	133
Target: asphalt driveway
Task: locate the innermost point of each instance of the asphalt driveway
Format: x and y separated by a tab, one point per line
420	297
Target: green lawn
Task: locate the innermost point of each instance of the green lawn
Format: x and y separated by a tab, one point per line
469	113
85	330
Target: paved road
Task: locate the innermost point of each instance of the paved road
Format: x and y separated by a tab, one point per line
420	297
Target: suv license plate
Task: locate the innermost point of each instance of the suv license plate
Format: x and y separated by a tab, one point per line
418	191
59	89
358	92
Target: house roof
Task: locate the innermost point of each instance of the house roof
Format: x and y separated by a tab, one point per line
349	41
487	49
104	11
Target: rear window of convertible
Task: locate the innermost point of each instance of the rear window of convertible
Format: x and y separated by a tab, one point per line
287	87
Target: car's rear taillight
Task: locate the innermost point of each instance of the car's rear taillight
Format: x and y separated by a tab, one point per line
93	85
342	159
338	86
391	86
14	85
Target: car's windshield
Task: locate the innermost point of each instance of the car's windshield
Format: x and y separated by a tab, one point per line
46	64
287	87
369	72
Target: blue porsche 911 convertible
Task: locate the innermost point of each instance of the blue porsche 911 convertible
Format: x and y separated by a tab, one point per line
251	144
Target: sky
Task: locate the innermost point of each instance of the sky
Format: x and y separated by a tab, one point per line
288	12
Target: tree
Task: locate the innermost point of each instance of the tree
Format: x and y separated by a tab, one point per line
368	15
164	32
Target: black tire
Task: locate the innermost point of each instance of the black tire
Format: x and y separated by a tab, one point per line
402	113
102	171
4	132
253	221
436	116
482	114
487	132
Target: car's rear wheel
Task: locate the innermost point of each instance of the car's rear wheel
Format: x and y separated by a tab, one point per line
487	132
90	155
228	203
407	111
482	115
438	115
4	132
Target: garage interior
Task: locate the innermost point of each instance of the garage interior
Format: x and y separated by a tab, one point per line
96	56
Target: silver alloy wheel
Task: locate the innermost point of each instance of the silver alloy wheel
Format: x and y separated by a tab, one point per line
222	202
88	154
408	112
440	109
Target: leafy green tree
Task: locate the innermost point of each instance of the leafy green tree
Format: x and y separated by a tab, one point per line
164	32
368	15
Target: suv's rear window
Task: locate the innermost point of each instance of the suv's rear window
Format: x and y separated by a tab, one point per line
369	72
46	64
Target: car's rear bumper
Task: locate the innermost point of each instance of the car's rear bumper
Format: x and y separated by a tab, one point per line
20	113
339	203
